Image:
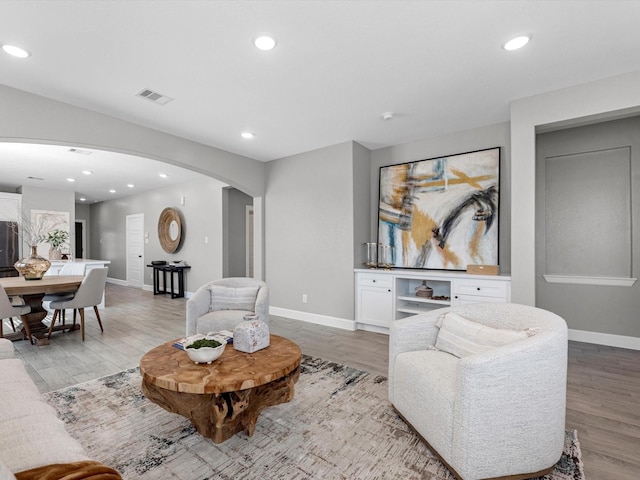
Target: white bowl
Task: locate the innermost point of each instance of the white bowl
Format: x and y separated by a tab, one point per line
204	354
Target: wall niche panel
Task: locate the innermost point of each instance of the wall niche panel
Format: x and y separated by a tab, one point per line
588	214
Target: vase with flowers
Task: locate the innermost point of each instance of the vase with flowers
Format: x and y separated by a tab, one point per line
56	239
32	267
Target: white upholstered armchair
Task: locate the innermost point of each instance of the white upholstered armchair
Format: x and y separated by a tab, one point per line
222	304
497	411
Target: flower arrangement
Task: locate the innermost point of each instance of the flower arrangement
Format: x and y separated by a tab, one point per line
57	237
34	232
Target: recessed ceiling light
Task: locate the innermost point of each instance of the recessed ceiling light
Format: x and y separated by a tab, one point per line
163	175
82	199
264	42
71	179
130	185
247	135
16	51
517	42
87	172
387	116
112	190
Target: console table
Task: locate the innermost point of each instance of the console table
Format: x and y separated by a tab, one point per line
171	269
383	296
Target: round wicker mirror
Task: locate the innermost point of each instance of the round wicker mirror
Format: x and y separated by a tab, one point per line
169	229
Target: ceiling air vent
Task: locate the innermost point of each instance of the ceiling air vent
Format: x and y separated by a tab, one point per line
35	178
154	97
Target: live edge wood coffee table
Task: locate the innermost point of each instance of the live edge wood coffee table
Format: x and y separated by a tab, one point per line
226	396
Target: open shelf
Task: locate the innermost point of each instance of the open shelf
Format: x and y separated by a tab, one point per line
423	300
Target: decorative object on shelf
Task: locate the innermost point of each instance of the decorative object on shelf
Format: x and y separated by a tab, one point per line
371	254
251	335
483	269
385	256
170	229
442	213
34	266
424	290
56	239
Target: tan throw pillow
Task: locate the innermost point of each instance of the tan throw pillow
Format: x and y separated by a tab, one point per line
233	298
461	337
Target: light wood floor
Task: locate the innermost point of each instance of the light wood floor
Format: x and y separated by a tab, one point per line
603	401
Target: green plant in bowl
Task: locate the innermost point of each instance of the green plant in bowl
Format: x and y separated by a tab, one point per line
205	343
204	349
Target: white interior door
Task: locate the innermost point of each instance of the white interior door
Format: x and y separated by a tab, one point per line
135	250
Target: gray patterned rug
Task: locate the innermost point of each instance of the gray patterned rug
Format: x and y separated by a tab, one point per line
339	426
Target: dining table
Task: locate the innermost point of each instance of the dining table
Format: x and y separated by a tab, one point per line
32	292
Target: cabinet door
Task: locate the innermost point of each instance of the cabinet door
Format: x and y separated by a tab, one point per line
375	306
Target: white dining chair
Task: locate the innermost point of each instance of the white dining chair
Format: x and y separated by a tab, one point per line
89	294
7	310
71	268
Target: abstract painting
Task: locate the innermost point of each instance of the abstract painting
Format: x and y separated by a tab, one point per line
441	213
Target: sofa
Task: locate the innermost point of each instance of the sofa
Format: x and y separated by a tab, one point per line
33	441
484	385
222	304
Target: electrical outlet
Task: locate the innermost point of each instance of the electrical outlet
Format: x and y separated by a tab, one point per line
304	298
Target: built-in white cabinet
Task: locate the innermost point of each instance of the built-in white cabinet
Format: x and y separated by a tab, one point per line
374	299
383	296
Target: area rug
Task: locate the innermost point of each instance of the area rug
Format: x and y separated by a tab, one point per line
340	425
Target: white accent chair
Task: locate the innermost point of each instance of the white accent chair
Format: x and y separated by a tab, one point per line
8	310
222	304
89	294
494	414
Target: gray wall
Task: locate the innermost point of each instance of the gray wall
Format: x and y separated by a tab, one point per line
596	234
309	216
31	118
201	216
460	142
361	201
235	232
34	119
606	98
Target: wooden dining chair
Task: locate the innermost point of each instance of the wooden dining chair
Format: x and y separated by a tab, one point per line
7	310
89	294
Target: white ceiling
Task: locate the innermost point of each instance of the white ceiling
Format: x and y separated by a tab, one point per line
338	65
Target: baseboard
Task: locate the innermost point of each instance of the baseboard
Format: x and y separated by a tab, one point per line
313	318
621	341
372	328
117	281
